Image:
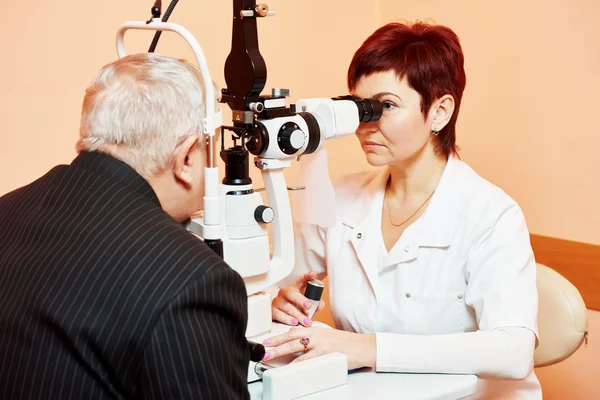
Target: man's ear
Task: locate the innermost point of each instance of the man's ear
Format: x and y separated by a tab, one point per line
183	161
442	111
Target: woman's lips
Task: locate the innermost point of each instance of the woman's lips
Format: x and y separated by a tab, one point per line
371	145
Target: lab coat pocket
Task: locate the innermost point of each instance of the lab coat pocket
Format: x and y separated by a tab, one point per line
430	314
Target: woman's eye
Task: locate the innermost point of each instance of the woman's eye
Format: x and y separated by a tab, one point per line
388	106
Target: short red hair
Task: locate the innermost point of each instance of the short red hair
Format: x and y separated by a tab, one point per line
431	59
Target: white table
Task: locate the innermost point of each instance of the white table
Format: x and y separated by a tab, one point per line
378	386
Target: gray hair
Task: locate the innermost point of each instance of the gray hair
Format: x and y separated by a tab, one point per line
144	105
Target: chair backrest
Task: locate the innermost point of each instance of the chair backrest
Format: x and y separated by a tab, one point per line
562	318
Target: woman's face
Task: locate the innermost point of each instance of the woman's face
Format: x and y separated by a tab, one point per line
402	132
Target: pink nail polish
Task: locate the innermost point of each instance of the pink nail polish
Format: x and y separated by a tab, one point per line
267	356
267	341
294	321
306	304
306	321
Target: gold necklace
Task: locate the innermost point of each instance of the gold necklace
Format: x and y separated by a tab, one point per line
412	215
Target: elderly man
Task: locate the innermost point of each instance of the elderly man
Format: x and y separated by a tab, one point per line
103	293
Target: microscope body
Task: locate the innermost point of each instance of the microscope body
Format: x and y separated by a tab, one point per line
234	222
273	134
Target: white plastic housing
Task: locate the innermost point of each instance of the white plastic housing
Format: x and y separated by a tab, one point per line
259	307
282	260
246	244
337	118
320	373
273	126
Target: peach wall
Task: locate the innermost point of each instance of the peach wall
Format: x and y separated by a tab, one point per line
56	47
529	117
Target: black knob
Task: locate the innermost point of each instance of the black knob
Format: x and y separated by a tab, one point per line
257	351
314	290
264	214
290	138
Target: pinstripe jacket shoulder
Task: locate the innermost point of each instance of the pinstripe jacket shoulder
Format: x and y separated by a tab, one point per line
104	296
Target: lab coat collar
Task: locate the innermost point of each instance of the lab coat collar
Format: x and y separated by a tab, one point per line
437	225
356	213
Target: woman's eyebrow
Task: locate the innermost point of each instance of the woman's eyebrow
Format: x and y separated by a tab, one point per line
380	95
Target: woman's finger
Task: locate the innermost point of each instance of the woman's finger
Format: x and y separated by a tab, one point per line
321	305
280	303
291	335
290	347
307	356
303	280
296	298
284	318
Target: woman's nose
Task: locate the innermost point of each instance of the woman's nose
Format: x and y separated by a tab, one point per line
365	128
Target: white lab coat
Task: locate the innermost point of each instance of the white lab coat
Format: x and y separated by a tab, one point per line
465	265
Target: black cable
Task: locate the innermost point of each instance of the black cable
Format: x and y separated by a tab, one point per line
165	18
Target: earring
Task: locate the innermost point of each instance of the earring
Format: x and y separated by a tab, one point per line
434	132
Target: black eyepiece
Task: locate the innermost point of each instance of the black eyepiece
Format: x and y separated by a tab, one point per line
369	110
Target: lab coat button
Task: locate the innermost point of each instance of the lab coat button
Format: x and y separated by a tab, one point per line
359	235
407	249
408	295
460	296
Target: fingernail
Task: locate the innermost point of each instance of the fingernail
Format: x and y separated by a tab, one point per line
294	321
306	321
306	304
267	356
267	341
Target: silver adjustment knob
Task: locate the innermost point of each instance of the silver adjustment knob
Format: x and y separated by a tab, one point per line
295	139
279	92
290	138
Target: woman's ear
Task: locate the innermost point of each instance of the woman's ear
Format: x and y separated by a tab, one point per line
183	161
442	111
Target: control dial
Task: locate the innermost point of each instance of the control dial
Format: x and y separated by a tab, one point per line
264	214
290	138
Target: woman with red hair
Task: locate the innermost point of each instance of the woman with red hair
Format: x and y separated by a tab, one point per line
429	265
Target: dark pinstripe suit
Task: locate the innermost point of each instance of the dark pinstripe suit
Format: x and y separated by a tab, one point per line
103	295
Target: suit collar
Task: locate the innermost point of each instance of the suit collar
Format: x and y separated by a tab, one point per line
437	225
115	169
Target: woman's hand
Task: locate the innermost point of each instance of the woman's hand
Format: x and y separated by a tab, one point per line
360	349
290	305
